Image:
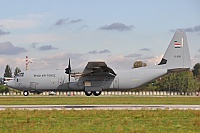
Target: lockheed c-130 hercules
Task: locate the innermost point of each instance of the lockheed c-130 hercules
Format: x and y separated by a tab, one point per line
97	76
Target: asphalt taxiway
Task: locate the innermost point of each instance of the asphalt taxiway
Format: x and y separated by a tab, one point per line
100	107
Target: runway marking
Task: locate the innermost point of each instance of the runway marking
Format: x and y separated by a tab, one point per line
100	107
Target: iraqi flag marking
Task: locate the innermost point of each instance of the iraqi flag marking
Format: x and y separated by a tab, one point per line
177	45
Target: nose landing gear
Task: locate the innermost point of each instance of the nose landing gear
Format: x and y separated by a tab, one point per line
25	93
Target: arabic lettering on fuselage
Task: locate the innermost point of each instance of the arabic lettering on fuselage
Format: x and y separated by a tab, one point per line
44	75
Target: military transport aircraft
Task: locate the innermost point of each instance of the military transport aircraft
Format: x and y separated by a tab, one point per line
97	76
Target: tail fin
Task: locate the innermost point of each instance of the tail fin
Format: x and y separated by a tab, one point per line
177	56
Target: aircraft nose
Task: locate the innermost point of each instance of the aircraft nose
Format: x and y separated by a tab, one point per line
10	83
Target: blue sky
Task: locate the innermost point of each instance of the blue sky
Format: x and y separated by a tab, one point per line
118	32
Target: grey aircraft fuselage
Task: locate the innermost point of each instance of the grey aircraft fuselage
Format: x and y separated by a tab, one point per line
39	81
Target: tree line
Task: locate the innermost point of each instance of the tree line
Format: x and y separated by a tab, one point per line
8	74
8	71
187	81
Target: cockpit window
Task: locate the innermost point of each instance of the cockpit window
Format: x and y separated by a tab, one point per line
20	74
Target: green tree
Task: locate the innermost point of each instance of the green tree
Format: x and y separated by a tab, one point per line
187	81
4	88
17	70
181	82
138	64
196	69
198	77
8	71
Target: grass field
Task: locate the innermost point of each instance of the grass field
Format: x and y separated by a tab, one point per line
102	121
98	100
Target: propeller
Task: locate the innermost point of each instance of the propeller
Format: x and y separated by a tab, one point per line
68	70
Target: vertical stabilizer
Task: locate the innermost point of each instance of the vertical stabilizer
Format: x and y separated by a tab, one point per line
177	55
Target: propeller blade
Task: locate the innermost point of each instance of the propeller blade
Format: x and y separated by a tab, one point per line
69	69
69	65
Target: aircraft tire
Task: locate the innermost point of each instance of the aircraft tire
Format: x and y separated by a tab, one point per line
97	93
88	93
25	93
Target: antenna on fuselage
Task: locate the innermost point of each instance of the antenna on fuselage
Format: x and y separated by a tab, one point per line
27	63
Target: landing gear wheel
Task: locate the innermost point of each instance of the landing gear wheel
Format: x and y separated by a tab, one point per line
97	93
88	93
25	93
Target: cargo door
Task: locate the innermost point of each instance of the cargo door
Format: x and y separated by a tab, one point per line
32	85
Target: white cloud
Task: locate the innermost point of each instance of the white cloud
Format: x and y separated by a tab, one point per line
13	62
16	23
117	26
190	29
99	52
134	55
7	48
56	61
78	61
30	38
195	59
121	62
2	61
155	60
3	32
47	47
26	21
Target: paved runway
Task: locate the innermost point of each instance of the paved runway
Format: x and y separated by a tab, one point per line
101	107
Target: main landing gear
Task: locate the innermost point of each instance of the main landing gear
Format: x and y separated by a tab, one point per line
89	93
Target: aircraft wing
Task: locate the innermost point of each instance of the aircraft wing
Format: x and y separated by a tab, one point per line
99	68
96	76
